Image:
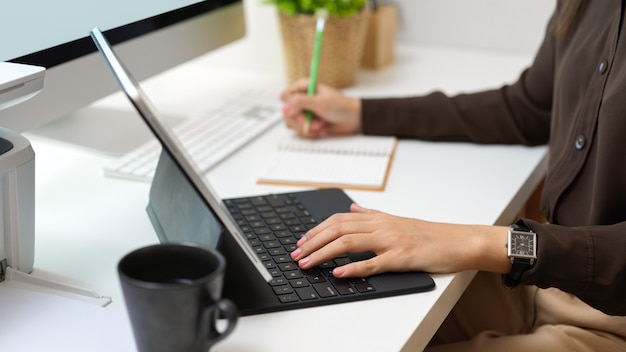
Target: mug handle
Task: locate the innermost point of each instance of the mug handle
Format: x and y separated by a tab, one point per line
224	308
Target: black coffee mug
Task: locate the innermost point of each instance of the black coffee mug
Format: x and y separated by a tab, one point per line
173	297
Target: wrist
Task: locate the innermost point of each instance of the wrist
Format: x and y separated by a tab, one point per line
491	253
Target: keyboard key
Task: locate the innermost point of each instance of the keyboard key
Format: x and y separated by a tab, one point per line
283	259
276	251
288	240
307	220
272	221
291	266
297	228
282	233
262	231
296	283
272	244
307	293
288	298
258	202
287	216
266	237
328	265
342	261
364	287
254	224
343	286
325	289
278	227
275	202
277	281
276	272
252	217
316	278
294	274
284	289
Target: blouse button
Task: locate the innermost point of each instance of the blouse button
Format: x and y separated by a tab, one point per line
580	142
602	67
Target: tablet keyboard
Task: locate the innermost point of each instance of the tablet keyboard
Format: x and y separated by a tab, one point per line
273	224
208	138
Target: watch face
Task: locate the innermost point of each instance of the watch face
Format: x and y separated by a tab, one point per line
522	244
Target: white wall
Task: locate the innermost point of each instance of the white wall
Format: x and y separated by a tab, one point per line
515	26
509	25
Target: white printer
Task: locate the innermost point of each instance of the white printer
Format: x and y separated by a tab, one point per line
17	191
17	172
17	203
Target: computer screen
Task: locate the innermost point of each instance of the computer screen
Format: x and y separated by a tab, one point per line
150	35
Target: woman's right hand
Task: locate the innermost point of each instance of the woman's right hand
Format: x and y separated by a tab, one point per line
333	112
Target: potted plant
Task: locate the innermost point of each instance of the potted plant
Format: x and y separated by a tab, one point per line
343	40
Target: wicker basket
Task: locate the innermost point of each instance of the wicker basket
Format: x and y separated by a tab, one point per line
342	47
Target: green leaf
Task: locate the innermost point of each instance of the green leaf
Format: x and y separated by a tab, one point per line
335	8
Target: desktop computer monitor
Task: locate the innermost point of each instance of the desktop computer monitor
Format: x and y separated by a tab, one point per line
151	36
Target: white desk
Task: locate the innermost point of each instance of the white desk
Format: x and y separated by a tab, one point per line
86	222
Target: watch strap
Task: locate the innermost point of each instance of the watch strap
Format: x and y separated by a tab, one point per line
518	265
520	226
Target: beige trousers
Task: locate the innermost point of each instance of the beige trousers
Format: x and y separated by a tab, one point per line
489	317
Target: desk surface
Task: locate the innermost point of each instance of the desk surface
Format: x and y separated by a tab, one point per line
85	222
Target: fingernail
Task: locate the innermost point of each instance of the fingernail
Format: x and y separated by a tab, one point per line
285	108
301	241
304	261
337	272
296	253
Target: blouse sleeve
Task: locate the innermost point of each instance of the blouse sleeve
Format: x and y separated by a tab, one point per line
582	261
513	114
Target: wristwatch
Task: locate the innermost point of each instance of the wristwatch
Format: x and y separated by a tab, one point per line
522	250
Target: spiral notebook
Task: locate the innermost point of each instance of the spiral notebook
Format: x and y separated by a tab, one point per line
351	162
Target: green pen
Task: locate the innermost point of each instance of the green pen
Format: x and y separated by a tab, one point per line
321	15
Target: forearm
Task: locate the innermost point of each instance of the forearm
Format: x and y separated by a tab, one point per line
491	252
477	247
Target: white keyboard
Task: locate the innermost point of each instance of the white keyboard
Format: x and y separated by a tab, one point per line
209	138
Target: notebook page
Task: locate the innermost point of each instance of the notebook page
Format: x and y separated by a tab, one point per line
360	162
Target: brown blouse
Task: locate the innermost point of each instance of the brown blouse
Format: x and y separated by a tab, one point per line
572	97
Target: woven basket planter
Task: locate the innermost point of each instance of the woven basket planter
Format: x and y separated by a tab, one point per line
342	47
